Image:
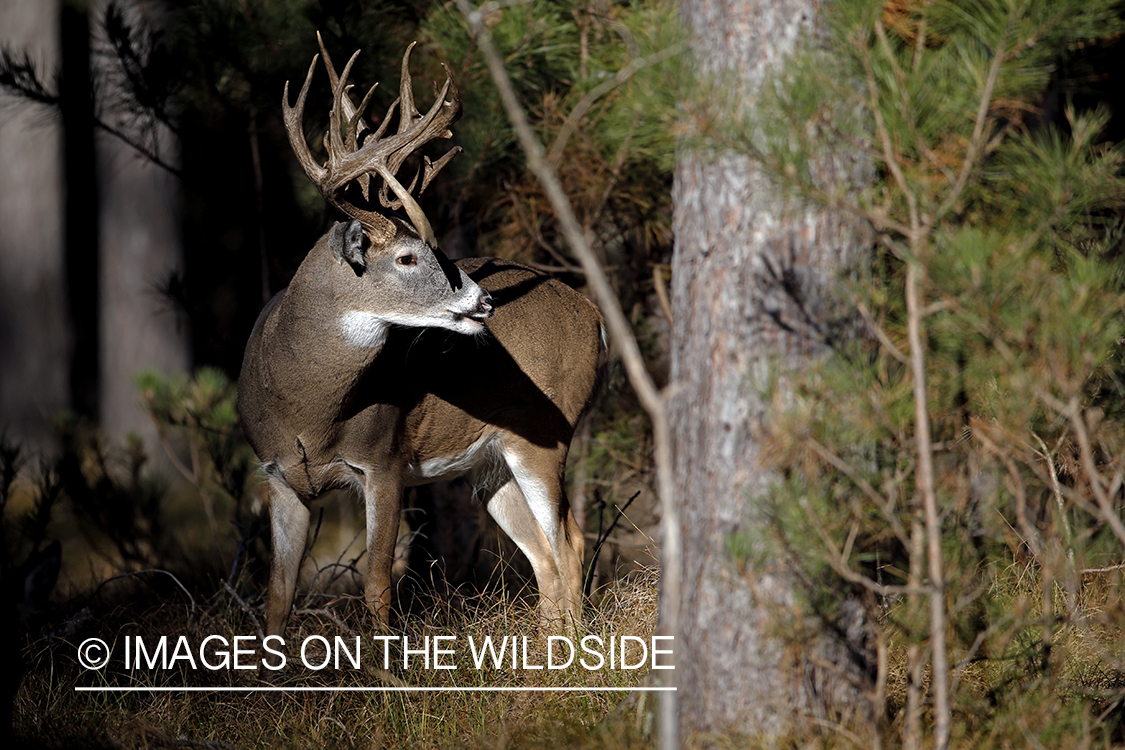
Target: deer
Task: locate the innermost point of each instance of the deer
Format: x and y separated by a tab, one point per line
384	365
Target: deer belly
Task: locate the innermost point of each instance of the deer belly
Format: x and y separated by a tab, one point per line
476	458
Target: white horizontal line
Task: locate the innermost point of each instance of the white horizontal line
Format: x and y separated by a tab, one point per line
271	689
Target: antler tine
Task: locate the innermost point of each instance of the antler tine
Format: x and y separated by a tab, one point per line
406	93
380	227
341	105
341	147
333	80
414	131
326	177
379	155
294	127
432	168
386	120
339	95
434	124
356	125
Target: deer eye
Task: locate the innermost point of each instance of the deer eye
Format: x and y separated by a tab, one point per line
410	259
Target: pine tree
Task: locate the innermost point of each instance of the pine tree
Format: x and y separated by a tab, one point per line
958	467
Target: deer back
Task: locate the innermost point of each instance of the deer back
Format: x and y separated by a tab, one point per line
531	376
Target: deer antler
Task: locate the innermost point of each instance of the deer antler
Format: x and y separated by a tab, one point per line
354	154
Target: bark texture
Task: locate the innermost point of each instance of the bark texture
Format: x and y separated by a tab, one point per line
753	277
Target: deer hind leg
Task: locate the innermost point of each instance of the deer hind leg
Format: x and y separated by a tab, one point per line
289	530
382	495
535	513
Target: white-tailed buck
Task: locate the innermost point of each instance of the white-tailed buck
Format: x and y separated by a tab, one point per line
376	368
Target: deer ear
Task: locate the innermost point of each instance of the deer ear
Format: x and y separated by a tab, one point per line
347	243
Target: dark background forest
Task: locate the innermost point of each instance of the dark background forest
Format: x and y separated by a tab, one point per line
151	205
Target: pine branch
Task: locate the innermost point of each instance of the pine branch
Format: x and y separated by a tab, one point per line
554	156
20	78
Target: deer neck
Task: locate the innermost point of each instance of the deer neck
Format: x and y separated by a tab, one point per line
326	344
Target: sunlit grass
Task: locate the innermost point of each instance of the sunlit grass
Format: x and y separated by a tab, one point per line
51	713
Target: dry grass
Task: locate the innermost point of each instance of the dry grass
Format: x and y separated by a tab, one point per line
1044	665
50	713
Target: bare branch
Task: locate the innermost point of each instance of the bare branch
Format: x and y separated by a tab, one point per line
877	329
651	398
939	677
245	608
837	560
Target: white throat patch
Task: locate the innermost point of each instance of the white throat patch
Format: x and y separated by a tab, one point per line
364	329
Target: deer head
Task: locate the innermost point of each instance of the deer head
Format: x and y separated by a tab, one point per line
401	261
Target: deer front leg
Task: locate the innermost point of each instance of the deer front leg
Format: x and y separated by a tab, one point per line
382	496
289	530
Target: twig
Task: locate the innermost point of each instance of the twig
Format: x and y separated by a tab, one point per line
246	609
1103	499
837	561
601	540
877	329
1073	414
939	673
144	151
533	230
978	132
661	288
849	471
179	465
241	548
150	570
344	568
1107	569
324	612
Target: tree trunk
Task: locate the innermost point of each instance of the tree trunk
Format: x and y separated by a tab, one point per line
35	345
753	280
141	248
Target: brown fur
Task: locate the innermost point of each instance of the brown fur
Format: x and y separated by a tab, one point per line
322	413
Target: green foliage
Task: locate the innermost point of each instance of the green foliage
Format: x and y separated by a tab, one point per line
1007	220
200	411
600	83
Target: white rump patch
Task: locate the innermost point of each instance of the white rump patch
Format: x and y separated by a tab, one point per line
364	329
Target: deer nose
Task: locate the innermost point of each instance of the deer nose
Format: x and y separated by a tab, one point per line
485	303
